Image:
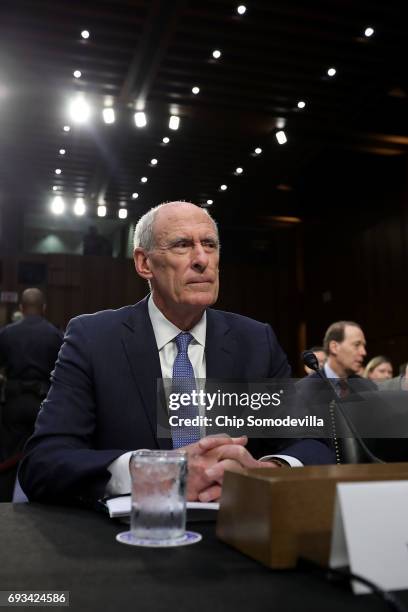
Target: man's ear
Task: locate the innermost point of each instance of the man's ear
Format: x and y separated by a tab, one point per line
142	263
333	346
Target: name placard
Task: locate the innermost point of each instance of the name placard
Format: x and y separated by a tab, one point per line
370	532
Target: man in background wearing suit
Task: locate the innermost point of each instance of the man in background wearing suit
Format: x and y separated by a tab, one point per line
102	402
28	351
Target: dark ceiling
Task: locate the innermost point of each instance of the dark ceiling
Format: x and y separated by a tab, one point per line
149	55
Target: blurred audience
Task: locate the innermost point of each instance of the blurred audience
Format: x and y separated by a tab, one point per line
398	383
378	368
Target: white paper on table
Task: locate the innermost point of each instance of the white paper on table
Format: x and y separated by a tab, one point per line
120	506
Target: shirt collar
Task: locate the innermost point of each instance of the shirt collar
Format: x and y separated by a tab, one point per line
329	372
165	331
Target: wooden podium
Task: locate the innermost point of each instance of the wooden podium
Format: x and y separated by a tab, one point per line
278	515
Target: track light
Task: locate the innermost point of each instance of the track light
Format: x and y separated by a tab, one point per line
58	205
174	122
108	115
140	119
80	110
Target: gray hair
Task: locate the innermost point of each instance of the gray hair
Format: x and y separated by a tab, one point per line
144	235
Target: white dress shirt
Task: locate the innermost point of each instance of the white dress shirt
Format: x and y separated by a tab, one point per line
165	332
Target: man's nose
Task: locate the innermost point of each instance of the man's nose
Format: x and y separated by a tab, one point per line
363	351
199	258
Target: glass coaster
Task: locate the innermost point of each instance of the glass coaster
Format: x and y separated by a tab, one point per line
190	537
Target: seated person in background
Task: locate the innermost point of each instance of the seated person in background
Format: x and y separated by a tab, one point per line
398	383
345	345
378	369
321	357
102	401
28	351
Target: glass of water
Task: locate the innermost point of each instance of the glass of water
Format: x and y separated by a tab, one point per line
158	495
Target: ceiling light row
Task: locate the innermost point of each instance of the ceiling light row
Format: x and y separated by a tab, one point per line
237	172
280	135
58	208
80	111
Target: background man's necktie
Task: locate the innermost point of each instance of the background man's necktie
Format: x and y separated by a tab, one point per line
184	382
343	388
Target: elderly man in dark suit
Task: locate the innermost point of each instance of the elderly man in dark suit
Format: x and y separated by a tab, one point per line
102	402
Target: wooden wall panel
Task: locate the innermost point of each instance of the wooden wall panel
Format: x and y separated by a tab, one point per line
364	270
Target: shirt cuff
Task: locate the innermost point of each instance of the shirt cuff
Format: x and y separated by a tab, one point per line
119	482
292	461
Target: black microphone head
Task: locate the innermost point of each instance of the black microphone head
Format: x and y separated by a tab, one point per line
310	360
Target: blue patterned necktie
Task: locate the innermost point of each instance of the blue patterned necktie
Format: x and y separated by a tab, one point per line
184	382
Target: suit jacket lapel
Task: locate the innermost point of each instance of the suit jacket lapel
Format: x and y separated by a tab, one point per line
221	347
140	346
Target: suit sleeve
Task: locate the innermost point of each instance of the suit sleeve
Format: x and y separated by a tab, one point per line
279	366
60	461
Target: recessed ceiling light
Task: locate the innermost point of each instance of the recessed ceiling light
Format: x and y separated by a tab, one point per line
62	151
196	90
216	54
154	162
368	32
239	170
54	188
241	9
301	104
166	140
101	211
57	205
140	119
174	122
223	187
135	195
67	128
281	137
85	34
209	202
258	151
79	207
58	171
331	72
80	110
122	213
108	115
143	179
77	74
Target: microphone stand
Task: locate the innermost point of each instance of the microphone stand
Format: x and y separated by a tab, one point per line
310	360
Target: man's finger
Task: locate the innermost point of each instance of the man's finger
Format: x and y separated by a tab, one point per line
235	453
216	472
210	442
213	493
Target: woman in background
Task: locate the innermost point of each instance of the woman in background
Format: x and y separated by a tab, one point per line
378	368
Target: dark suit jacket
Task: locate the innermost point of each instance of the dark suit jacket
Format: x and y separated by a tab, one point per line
29	348
102	401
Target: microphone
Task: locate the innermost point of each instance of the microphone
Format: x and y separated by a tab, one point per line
311	361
